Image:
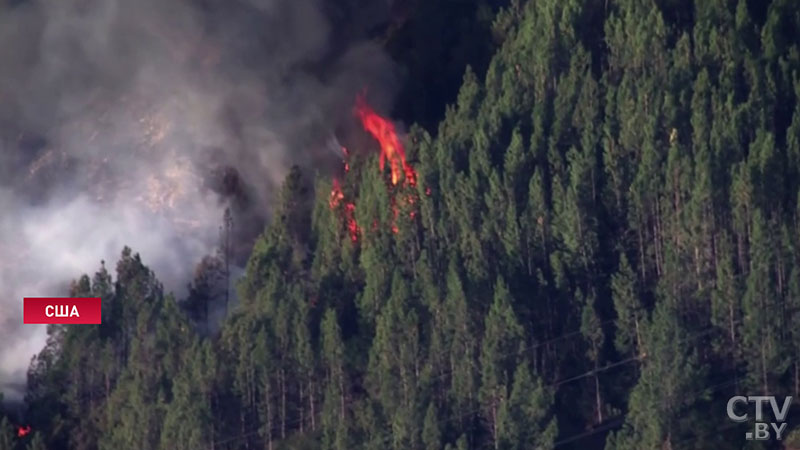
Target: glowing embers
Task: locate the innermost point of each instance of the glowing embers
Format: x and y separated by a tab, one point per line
349	209
405	202
391	148
346	164
336	194
23	431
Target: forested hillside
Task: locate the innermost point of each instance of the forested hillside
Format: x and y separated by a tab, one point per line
599	246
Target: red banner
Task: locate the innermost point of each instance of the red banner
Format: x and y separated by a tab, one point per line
61	310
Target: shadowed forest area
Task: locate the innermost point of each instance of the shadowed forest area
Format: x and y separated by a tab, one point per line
601	246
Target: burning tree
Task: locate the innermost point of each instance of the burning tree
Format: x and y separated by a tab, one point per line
401	173
392	149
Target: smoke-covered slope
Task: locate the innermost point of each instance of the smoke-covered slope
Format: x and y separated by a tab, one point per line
139	122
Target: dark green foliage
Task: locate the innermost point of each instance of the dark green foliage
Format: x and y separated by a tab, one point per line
6	435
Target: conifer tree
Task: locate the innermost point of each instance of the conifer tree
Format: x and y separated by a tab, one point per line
630	311
502	343
527	421
592	331
6	433
656	410
431	433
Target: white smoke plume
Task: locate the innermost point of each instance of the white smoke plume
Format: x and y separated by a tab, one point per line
115	115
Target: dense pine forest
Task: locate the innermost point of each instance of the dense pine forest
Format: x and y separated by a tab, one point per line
594	245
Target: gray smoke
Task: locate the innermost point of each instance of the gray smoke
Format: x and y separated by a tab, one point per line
116	115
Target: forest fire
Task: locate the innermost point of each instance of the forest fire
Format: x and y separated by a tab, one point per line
336	198
391	148
336	194
23	431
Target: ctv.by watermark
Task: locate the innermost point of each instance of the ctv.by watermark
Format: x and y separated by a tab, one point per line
762	430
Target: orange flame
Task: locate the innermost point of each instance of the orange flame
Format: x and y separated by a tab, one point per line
349	210
336	194
352	225
391	148
23	431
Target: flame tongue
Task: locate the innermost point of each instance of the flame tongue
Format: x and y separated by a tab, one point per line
336	194
391	148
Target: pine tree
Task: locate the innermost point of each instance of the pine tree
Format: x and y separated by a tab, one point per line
36	443
431	433
502	342
463	352
525	418
592	331
6	433
536	223
395	363
630	311
188	419
726	306
760	336
667	387
334	413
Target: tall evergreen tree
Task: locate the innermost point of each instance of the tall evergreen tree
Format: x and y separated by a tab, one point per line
500	352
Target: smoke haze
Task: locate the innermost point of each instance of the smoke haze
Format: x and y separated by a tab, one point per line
116	118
